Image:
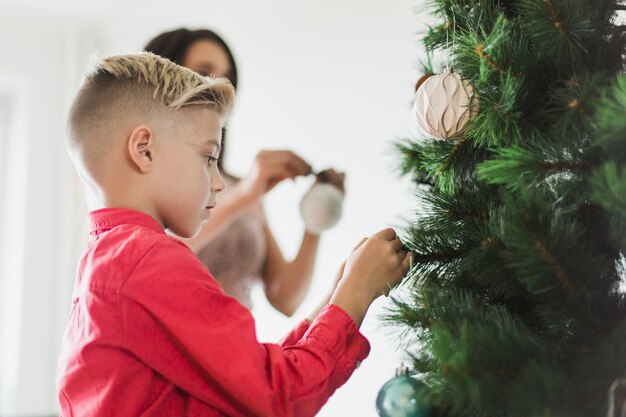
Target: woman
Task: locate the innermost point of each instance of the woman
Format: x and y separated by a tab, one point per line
236	243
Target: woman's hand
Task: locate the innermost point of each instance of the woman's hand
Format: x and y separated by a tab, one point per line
269	169
330	176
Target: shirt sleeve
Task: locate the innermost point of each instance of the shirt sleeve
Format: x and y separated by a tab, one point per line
179	322
295	334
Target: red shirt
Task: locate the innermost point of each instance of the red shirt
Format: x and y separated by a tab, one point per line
151	333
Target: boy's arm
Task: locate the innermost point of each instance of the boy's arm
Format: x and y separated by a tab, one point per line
297	333
178	321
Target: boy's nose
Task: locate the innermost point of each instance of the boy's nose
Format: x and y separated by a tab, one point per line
218	185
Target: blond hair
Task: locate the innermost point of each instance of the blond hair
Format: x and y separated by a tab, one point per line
139	86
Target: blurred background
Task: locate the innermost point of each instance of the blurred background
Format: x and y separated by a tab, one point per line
331	80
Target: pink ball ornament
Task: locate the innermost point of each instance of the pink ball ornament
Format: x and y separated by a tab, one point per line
443	104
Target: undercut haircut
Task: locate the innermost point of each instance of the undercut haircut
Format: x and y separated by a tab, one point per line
141	86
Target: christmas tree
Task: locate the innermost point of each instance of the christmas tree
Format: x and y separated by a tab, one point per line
514	305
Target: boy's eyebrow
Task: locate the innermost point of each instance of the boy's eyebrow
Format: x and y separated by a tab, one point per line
208	142
213	142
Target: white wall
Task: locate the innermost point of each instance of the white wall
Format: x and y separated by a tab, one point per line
330	80
32	77
42	217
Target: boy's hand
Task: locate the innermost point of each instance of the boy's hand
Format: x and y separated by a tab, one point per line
374	265
269	169
377	262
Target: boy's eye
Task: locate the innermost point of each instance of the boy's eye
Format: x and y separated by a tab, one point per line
210	160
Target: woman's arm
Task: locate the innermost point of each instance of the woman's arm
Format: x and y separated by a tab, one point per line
286	283
269	169
231	205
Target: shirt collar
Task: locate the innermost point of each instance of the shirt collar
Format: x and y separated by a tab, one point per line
107	218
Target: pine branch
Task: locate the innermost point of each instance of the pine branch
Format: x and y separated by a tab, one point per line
609	188
562	32
501	120
557	267
534	226
412	163
513	308
446	165
457	321
610	120
517	168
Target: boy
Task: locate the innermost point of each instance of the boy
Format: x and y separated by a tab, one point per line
150	332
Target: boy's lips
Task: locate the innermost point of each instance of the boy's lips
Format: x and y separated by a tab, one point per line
210	206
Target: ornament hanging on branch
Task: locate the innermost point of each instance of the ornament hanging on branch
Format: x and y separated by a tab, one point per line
399	397
421	80
443	104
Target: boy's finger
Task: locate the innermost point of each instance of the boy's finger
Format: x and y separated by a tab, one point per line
359	244
340	272
408	261
386	234
387	289
397	244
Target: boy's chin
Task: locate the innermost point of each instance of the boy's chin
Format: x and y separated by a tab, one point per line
186	233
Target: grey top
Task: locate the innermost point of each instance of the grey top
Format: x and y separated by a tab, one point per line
236	257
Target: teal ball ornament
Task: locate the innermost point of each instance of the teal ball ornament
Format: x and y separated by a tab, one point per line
399	397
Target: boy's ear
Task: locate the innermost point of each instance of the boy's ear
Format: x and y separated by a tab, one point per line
141	147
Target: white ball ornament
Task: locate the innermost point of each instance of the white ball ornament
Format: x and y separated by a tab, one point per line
443	104
321	207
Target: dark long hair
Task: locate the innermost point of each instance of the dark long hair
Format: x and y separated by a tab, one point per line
174	44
